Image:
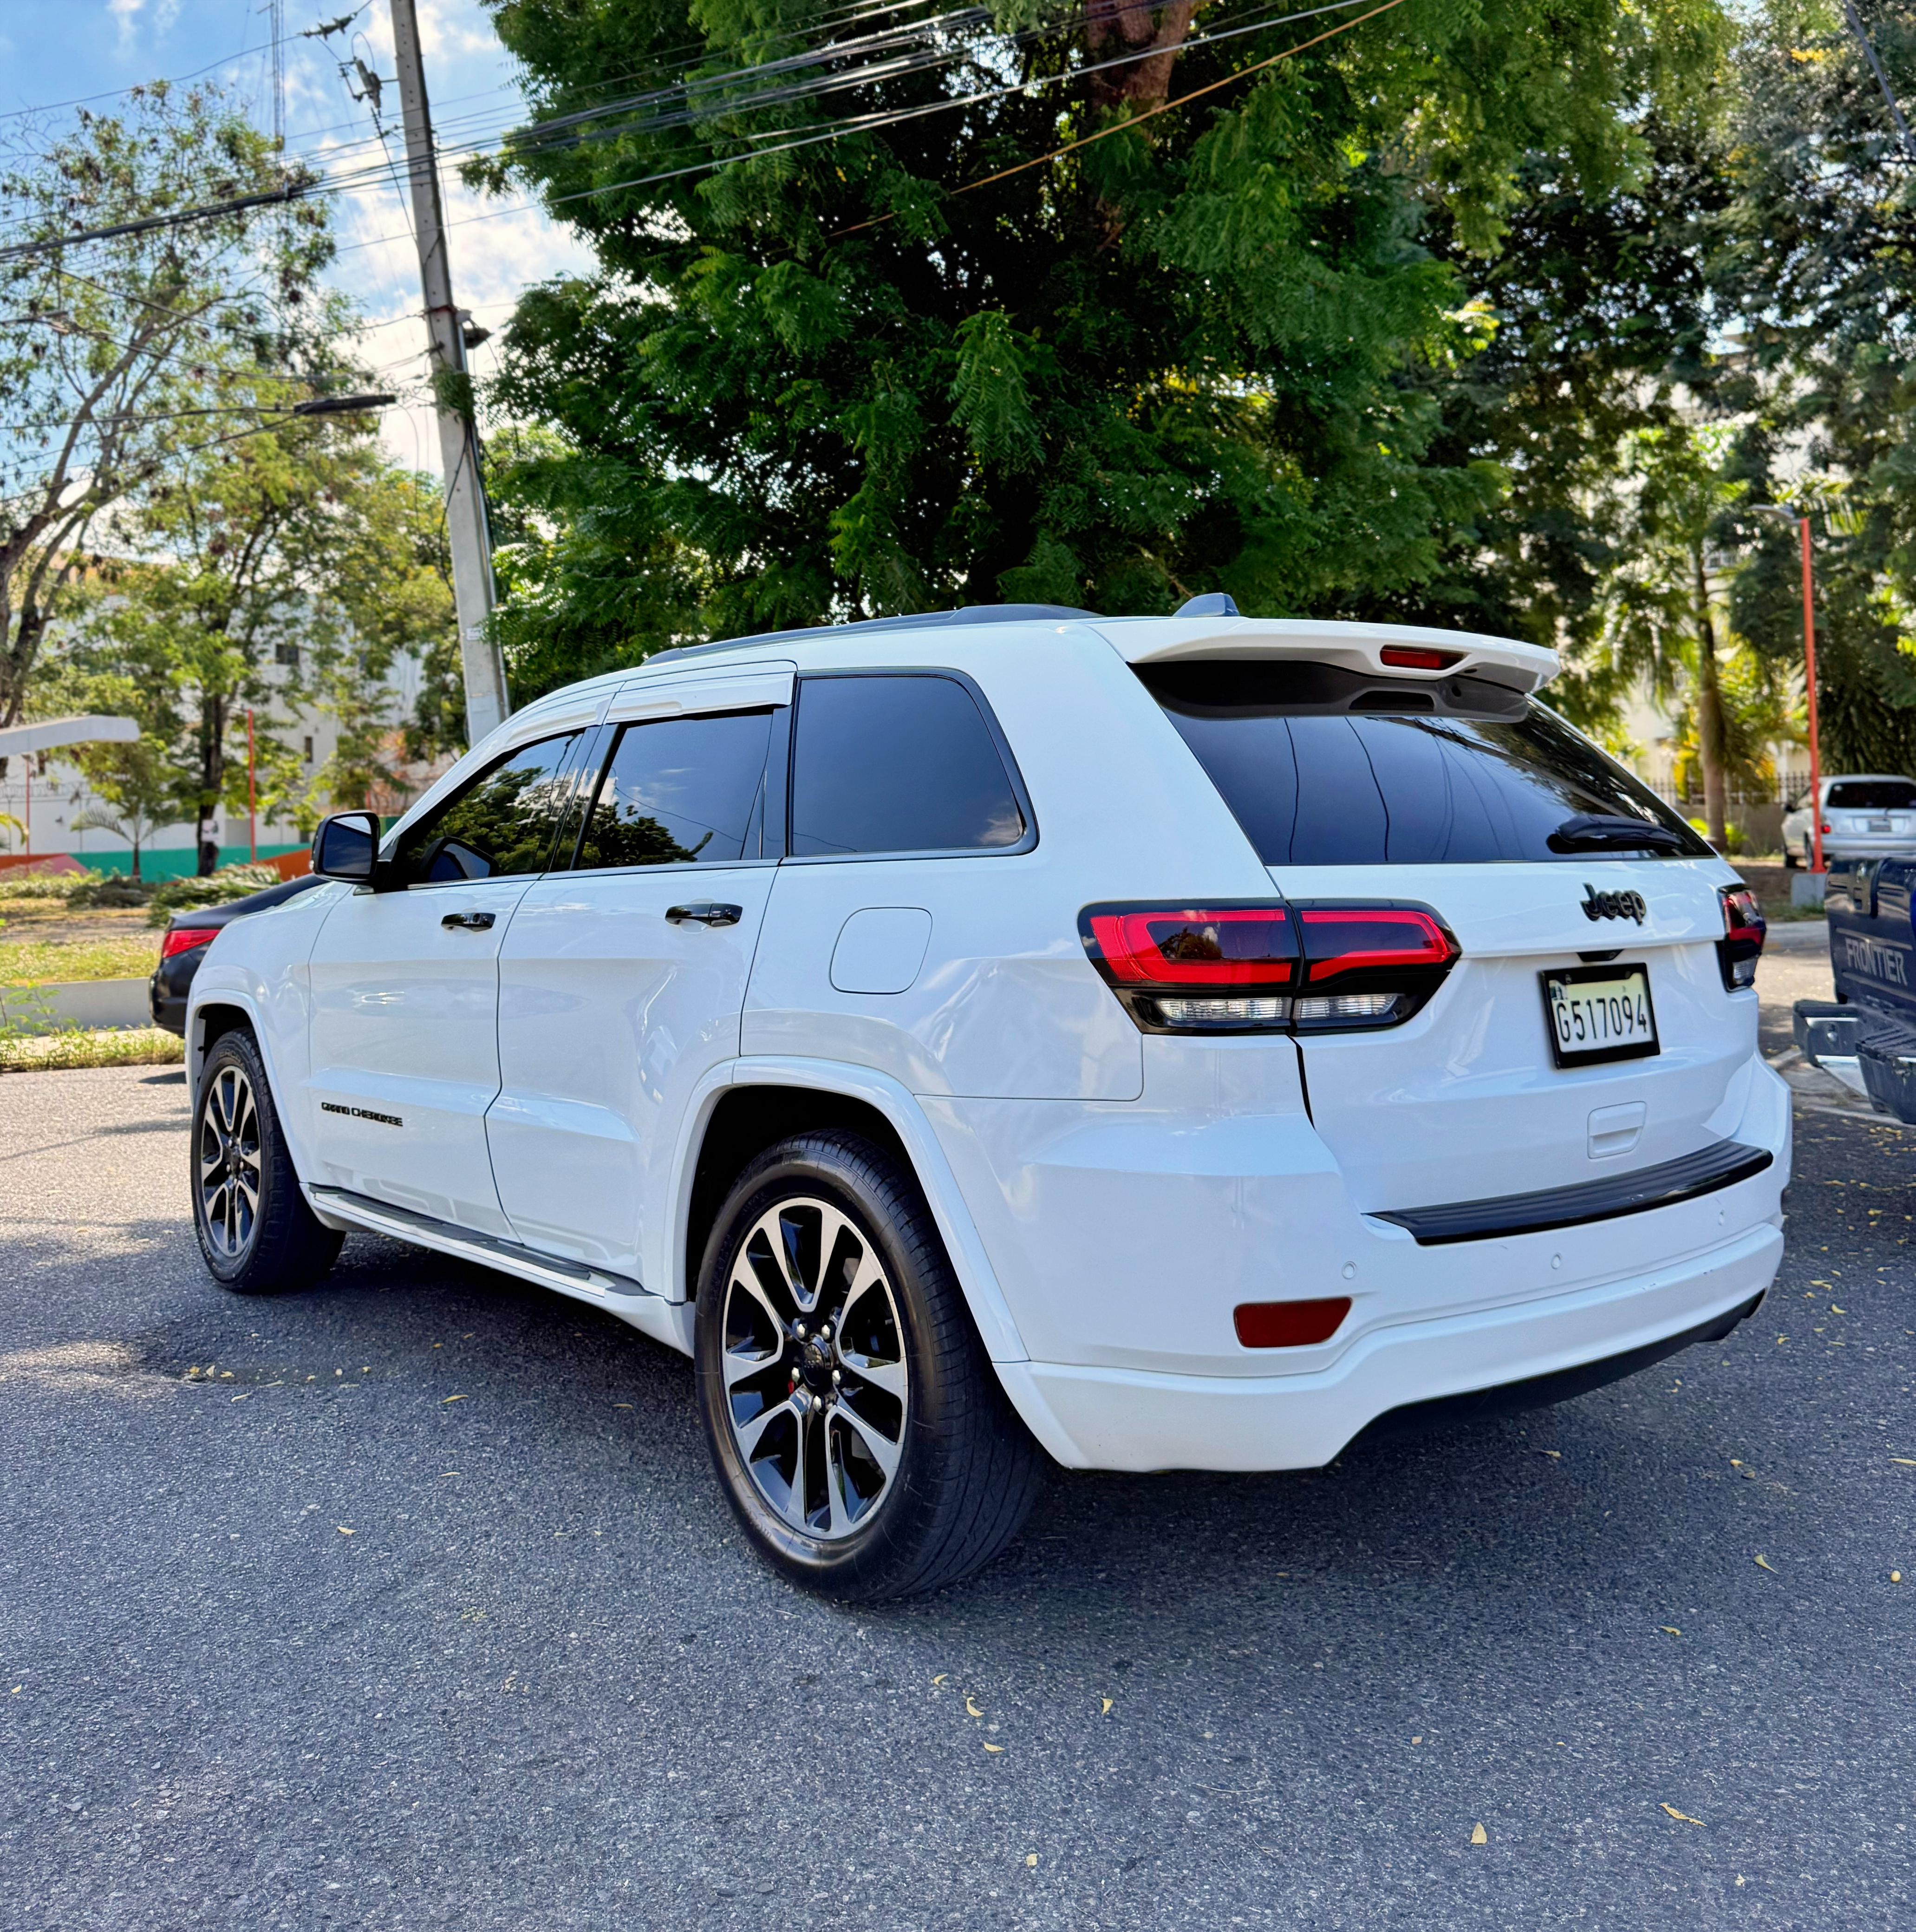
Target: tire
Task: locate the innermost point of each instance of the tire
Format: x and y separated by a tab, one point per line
257	1235
1791	861
858	1427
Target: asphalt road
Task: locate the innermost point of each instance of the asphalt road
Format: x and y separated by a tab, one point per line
411	1602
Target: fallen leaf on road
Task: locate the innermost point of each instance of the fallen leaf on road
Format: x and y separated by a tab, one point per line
16	1690
1107	1711
1835	1310
1669	1629
1895	1576
1031	1858
1556	1455
1683	1815
941	1676
238	1398
1763	1562
1907	1462
1480	1837
343	1530
972	1708
452	1398
996	1750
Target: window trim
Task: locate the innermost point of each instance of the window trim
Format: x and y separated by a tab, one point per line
1006	758
581	735
599	763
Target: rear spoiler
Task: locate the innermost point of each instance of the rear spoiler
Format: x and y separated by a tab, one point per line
1413	650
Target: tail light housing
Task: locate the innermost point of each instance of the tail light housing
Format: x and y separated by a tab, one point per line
1268	966
1744	931
180	939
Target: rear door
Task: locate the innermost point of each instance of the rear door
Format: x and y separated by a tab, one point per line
1519	834
623	976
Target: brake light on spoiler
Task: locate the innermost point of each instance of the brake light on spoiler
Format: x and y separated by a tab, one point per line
1269	966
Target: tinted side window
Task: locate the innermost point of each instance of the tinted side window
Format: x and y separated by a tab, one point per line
1324	767
498	826
680	789
902	764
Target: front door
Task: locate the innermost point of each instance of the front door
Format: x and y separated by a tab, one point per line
405	993
621	981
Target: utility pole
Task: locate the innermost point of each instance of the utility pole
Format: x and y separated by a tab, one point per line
486	703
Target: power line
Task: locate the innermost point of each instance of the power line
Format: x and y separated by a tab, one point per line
872	122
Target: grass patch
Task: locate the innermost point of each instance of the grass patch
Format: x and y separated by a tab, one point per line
54	962
124	1046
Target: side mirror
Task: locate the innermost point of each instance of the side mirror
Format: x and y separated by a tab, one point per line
347	846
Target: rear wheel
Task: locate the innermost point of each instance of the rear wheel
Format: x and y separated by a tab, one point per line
256	1233
860	1432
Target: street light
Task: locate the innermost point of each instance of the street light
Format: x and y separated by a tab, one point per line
1802	523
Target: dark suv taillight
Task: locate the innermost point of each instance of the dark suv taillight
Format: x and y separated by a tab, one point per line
1745	929
1267	967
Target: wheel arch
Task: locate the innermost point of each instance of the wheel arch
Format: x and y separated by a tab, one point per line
764	1101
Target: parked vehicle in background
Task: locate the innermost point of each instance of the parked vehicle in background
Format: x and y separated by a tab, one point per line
1867	815
1171	1042
183	946
1866	1035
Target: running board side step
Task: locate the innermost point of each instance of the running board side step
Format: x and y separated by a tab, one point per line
669	1322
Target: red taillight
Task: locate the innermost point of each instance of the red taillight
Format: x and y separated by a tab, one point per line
1289	1324
1223	945
1348	939
1257	967
184	938
1744	930
1410	657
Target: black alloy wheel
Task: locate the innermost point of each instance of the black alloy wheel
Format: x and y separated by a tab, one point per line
256	1233
860	1432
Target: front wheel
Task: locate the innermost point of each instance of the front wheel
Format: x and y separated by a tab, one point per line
860	1432
1791	861
256	1233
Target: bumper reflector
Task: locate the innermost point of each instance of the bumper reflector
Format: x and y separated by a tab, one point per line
1289	1324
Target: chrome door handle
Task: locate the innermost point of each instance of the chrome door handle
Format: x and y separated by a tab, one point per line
473	922
706	913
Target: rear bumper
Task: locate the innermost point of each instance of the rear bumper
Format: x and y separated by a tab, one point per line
1105	1418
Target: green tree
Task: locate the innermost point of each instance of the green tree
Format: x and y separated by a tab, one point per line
1666	599
1817	260
133	792
277	571
861	376
114	351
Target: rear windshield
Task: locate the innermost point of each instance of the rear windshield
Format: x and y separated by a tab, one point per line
1324	767
1873	795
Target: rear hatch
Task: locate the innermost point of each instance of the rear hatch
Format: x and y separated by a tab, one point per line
1455	793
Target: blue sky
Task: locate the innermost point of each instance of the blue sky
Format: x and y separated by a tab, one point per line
55	51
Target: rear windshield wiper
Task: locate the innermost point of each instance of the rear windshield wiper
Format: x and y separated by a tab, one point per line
1605	832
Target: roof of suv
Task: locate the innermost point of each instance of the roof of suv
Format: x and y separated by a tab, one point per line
1360	647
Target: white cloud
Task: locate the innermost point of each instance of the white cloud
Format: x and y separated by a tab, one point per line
125	16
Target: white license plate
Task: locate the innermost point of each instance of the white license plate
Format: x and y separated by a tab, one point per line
1599	1013
1877	825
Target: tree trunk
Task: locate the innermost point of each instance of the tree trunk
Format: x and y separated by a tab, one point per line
1711	735
212	782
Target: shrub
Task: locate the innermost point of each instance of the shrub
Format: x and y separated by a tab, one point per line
230	883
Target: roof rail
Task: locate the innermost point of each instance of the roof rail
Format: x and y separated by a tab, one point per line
968	614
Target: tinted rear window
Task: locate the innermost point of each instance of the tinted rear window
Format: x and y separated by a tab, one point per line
1873	795
897	764
1323	766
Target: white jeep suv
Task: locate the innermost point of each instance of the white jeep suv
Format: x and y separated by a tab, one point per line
1148	1042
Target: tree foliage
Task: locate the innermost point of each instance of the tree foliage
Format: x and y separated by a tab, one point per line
116	353
1208	348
